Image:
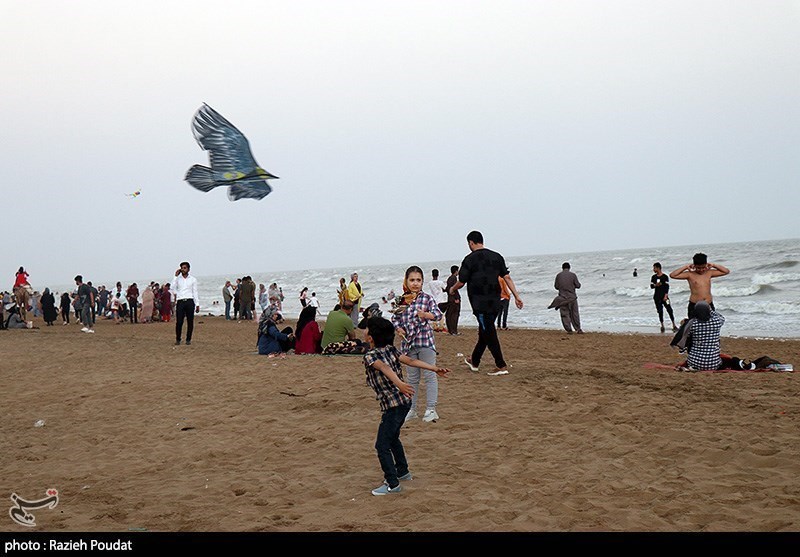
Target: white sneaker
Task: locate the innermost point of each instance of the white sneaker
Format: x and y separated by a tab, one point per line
430	415
85	329
411	415
90	331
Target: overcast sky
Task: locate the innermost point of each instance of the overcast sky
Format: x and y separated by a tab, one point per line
395	128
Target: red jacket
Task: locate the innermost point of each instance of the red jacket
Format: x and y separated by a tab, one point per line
310	341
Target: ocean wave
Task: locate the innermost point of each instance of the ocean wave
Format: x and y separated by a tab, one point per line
633	292
772	278
769	308
734	291
781	265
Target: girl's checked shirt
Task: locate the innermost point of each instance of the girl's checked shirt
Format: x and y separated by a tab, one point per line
419	333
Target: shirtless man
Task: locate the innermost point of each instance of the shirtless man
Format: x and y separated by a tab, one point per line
699	274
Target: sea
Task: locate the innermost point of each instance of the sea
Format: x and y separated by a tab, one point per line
760	298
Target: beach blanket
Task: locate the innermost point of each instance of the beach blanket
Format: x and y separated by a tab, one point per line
775	368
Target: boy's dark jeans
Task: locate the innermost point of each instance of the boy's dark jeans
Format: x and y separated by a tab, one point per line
390	450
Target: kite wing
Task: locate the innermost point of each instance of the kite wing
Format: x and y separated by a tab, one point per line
229	150
232	162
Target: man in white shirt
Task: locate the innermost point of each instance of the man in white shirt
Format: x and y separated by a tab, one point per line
436	288
313	301
187	302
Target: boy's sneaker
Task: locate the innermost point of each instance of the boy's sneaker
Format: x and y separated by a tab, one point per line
405	477
384	489
411	415
469	365
430	415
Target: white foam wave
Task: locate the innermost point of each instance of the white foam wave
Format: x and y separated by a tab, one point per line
772	278
734	291
633	292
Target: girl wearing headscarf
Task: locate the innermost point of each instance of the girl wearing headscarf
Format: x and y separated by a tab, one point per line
308	338
414	325
49	311
270	339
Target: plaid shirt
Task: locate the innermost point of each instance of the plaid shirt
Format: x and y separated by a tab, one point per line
386	392
704	352
419	333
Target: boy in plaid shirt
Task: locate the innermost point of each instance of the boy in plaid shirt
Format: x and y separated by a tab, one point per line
383	365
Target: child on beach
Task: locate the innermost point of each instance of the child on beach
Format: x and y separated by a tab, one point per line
414	324
385	375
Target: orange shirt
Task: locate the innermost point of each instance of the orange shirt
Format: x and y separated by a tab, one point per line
505	294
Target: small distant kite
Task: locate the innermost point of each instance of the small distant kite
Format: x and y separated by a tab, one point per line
232	163
135	194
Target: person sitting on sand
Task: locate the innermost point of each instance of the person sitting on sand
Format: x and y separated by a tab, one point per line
339	325
270	339
704	352
699	274
339	336
308	338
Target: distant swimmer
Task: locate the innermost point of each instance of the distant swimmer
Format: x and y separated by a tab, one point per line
699	274
635	272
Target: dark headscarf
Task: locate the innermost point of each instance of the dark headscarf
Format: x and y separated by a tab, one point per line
702	311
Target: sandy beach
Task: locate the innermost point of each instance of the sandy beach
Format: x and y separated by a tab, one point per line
140	434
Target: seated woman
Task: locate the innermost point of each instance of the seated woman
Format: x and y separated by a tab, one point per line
270	339
308	338
704	331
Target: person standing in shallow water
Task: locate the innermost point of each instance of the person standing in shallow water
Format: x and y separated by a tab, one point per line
566	283
659	282
479	271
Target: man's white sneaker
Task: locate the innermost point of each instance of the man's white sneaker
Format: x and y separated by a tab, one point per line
411	415
430	415
469	365
85	329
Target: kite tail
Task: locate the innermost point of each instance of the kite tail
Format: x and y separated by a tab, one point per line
201	177
239	190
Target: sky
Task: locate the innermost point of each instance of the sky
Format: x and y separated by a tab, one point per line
395	128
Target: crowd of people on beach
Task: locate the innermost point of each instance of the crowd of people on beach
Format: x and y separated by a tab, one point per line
490	298
118	304
415	316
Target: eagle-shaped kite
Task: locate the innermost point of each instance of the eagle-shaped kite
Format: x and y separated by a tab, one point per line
232	163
